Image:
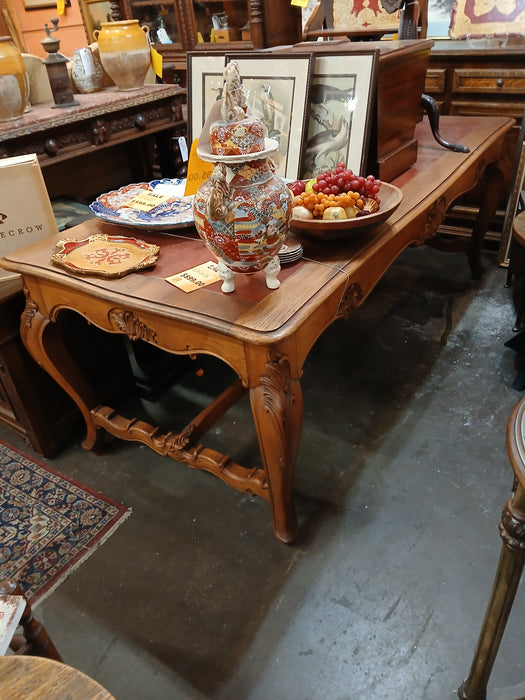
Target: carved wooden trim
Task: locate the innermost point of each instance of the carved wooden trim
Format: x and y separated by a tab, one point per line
435	216
99	132
512	530
126	322
29	313
278	377
257	24
352	298
173	445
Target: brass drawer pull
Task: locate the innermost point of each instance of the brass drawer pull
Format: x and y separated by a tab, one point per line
499	82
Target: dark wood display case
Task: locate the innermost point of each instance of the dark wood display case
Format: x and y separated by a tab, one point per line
242	25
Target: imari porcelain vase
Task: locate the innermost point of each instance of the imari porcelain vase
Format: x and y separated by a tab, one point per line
243	210
242	213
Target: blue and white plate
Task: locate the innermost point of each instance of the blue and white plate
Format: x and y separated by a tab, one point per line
176	212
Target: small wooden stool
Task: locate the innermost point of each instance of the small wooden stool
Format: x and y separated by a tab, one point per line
510	566
517	264
35	640
34	678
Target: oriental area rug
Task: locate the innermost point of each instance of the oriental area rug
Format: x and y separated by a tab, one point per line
49	524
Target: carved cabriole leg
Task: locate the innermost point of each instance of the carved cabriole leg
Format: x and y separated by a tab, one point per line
277	407
508	574
43	341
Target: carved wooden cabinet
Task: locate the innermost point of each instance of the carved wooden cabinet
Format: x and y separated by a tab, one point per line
178	26
484	77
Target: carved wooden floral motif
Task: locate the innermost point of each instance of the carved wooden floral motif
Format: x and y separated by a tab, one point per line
128	323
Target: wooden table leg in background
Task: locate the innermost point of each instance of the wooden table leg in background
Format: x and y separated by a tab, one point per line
491	194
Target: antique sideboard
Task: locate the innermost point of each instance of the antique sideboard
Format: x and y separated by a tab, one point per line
106	141
480	77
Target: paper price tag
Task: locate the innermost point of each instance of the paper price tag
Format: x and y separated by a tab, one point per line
195	277
147	201
198	170
183	148
156	62
299	3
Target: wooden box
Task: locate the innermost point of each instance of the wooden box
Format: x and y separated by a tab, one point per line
400	82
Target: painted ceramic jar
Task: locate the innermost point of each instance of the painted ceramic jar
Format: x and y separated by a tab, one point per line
242	213
14	84
86	71
124	52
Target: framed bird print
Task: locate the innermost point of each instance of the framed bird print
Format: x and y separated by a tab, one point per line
277	91
338	121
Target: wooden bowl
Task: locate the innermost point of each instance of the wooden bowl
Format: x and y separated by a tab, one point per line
390	197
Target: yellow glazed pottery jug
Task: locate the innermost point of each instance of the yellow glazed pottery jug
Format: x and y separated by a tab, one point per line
14	84
124	52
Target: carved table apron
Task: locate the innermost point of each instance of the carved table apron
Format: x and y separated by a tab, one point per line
265	336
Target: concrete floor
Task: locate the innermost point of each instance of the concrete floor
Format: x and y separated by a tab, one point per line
400	483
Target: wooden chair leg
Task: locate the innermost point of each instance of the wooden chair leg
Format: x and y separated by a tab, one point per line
35	640
508	574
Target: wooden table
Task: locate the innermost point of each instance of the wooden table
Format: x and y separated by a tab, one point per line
108	130
36	678
265	336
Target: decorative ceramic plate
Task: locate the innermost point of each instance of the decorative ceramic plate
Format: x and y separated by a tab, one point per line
175	212
390	197
105	256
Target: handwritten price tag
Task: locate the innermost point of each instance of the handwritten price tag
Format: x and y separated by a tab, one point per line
195	277
198	170
147	201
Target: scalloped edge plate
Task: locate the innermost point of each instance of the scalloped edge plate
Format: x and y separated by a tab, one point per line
390	197
176	213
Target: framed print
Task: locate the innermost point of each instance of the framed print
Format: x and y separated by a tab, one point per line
277	91
339	116
474	19
205	80
94	12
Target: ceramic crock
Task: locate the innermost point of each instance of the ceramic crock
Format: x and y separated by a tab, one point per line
242	213
124	52
14	84
86	71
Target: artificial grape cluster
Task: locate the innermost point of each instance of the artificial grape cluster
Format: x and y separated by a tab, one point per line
342	179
